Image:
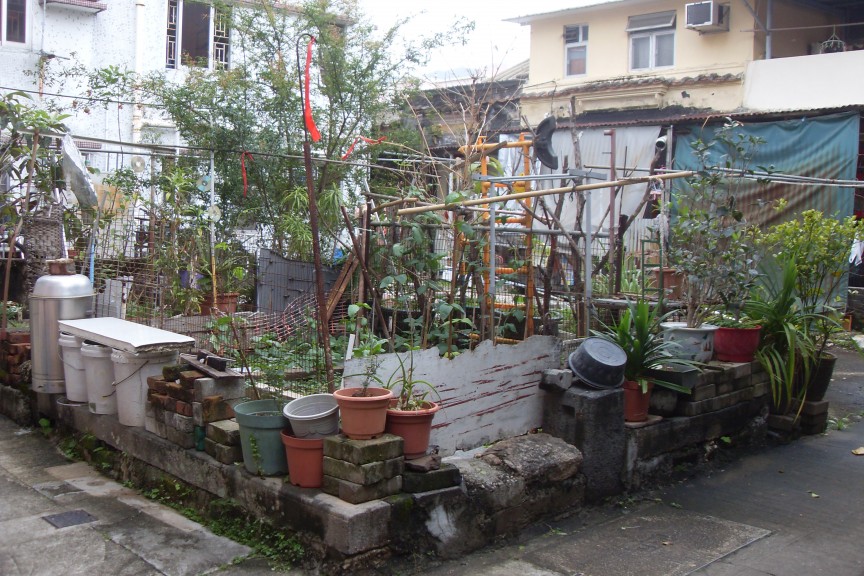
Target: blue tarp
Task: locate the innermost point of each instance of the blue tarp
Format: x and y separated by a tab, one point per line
821	147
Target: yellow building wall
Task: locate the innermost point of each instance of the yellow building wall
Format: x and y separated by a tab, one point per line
786	43
609	45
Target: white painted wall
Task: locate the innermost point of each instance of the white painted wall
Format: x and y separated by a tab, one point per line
488	394
805	82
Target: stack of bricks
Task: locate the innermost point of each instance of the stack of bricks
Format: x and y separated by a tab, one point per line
358	471
14	352
718	386
813	417
192	410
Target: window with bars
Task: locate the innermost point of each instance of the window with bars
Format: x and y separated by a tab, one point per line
576	49
13	15
197	35
652	40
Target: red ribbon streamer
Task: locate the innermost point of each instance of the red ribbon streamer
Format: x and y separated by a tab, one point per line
307	108
370	141
243	156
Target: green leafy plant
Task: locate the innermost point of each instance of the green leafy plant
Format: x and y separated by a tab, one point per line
786	348
712	246
637	332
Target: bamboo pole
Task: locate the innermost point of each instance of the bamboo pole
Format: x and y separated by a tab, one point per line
535	193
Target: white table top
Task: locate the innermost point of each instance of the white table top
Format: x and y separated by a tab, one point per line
127	336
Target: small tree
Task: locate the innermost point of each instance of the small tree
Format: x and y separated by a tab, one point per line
712	246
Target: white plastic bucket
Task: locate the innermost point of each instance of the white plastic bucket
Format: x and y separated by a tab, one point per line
130	380
73	368
100	378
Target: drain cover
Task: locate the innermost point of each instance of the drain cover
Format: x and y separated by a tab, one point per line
71	518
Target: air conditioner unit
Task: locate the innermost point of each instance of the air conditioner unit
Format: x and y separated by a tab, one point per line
708	16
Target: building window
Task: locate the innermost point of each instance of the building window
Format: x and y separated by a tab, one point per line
13	15
576	49
652	40
198	35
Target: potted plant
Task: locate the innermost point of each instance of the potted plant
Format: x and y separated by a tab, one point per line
819	244
786	350
227	271
712	247
410	413
637	332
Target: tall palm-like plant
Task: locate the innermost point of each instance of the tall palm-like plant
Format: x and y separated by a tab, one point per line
788	350
638	333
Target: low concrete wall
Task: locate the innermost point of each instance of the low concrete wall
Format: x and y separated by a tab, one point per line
726	400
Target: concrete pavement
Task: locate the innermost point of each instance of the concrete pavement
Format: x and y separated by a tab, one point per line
787	510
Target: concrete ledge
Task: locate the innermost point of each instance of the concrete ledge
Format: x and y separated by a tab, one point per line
345	529
538	476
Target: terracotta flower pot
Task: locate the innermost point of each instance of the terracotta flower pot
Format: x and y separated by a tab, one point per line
636	402
363	417
414	426
305	460
736	344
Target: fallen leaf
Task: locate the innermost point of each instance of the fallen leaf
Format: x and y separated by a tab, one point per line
813	494
667	543
858	451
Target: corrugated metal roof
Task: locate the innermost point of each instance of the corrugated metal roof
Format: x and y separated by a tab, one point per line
680	114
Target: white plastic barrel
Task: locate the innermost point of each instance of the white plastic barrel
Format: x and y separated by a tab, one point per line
130	380
99	370
73	368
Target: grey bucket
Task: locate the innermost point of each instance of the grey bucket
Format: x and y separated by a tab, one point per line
598	363
313	416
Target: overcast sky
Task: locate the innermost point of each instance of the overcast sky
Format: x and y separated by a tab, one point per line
495	45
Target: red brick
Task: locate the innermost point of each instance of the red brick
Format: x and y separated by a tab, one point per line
188	377
18	337
158	399
13	379
184	408
20	349
179	392
214	408
157	384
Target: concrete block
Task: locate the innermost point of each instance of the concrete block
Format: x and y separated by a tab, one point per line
385	447
445	477
229	388
225	432
198	414
183	423
781	422
724	385
183	439
364	474
761	389
222	453
554	380
811	408
156	427
734	370
688	408
663	401
357	493
575	416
